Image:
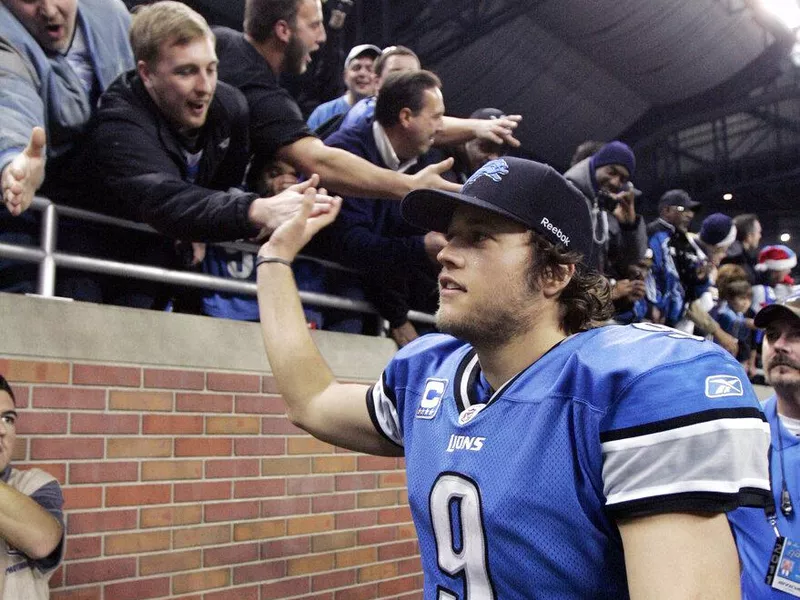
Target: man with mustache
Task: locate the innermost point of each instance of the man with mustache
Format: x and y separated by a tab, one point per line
755	537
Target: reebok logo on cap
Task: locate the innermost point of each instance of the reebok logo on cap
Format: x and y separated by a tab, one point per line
555	230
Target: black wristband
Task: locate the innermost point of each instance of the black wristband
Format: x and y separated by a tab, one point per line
272	259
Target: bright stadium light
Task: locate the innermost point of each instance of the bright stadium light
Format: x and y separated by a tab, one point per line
728	196
787	11
785	237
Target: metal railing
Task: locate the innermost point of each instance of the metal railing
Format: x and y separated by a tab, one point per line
49	259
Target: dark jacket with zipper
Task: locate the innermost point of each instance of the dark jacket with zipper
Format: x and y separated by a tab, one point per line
138	169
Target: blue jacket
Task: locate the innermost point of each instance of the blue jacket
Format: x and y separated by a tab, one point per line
325	112
371	236
669	298
42	89
361	112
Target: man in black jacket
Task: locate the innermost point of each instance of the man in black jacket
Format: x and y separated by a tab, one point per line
170	143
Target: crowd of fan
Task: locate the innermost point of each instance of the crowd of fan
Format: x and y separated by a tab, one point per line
162	120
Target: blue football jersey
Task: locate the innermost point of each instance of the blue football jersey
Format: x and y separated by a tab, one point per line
515	493
230	264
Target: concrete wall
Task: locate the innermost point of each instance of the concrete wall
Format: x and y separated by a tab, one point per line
182	477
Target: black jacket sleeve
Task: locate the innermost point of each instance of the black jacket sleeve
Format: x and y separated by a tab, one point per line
140	179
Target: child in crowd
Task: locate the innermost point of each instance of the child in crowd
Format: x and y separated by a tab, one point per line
735	317
270	180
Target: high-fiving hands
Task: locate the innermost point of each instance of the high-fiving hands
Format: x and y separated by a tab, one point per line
316	210
273	211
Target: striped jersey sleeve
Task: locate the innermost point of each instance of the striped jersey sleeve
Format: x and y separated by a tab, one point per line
382	407
687	437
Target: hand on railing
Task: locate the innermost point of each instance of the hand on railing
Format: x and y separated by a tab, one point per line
271	212
24	174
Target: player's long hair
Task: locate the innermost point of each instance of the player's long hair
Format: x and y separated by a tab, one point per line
586	300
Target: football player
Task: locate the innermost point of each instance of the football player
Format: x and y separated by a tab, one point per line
546	457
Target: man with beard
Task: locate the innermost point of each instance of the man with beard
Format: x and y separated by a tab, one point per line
620	238
545	458
755	536
279	36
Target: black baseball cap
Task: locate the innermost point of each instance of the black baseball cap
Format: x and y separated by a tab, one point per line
789	306
528	192
678	198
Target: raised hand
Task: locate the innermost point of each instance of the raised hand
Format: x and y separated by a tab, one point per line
24	174
498	131
625	210
271	212
294	233
431	177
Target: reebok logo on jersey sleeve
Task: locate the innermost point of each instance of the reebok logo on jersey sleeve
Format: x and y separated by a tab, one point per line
719	386
431	398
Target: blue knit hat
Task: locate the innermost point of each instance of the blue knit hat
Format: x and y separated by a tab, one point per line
615	153
717	230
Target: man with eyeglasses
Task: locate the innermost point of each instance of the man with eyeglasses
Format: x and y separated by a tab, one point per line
31	519
680	269
756	538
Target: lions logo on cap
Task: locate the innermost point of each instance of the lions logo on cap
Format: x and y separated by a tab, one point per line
494	170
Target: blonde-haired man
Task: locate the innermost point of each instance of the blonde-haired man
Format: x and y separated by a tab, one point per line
171	143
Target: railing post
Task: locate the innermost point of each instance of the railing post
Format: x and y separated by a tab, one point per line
47	268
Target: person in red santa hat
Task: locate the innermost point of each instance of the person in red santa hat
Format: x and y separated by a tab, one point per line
776	263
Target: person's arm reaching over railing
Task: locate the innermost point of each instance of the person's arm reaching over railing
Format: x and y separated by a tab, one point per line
24	174
497	131
330	411
351	175
22	139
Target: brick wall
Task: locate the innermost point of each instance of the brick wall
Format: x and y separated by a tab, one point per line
192	484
